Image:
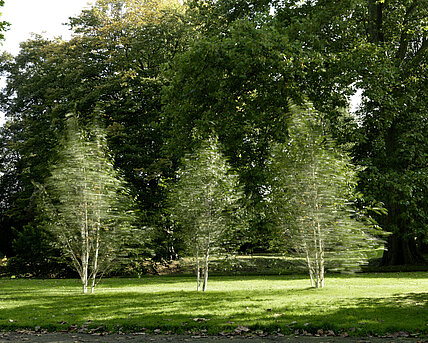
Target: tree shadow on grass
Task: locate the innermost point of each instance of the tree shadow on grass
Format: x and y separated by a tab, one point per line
400	312
216	311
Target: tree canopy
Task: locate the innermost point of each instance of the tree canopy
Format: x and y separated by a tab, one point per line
205	201
314	198
163	77
85	204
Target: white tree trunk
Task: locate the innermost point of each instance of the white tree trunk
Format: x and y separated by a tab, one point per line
321	258
85	243
96	254
309	264
316	259
198	269
207	255
318	241
85	256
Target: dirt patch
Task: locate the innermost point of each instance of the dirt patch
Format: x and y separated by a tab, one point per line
56	337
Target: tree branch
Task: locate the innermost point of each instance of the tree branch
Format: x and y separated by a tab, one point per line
420	53
404	39
375	21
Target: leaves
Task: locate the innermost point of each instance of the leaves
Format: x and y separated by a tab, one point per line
240	329
110	63
200	320
313	191
381	50
203	201
85	203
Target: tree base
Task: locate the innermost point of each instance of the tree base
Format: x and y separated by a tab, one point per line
401	251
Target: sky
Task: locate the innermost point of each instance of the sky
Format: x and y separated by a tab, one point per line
44	17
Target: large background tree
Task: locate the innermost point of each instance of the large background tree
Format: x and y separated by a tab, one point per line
231	69
236	81
379	47
114	62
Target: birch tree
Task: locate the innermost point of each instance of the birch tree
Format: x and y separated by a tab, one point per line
202	201
314	198
86	204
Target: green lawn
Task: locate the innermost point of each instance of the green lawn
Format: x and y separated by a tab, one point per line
360	304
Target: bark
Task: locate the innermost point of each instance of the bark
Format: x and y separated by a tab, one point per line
85	254
420	53
400	248
85	241
401	251
404	38
95	266
320	258
318	241
316	261
97	229
308	262
84	275
204	287
375	30
198	270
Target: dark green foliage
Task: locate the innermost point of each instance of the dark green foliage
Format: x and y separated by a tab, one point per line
36	256
235	85
379	47
99	68
165	77
215	17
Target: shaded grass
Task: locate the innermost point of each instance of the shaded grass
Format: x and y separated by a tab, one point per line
361	304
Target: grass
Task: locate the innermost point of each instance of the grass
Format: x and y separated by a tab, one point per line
361	304
268	264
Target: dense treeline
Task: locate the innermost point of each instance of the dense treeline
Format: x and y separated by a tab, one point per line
163	77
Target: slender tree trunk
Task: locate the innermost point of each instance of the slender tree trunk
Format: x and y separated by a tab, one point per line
316	227
309	264
96	254
321	269
317	260
84	275
207	255
318	240
198	269
85	253
321	257
97	226
85	264
85	241
209	201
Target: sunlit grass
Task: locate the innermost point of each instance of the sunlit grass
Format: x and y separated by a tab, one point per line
361	304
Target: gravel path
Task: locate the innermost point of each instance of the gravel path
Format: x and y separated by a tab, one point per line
32	337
